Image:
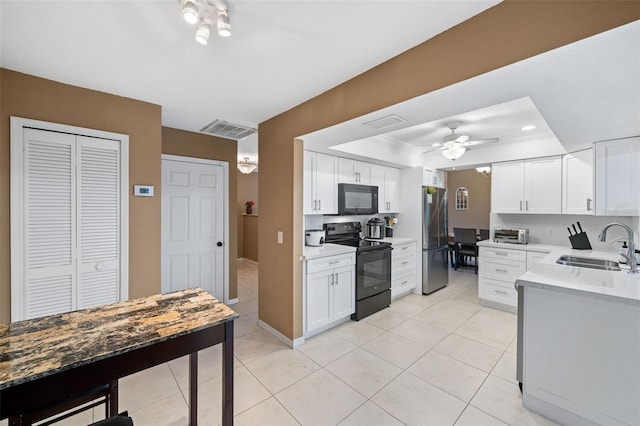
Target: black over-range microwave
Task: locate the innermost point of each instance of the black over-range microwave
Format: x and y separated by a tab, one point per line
357	199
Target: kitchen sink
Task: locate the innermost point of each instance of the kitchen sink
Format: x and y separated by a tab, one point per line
588	262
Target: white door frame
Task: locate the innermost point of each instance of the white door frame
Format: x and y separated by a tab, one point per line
17	212
225	211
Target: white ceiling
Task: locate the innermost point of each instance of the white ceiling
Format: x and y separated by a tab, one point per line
281	53
577	94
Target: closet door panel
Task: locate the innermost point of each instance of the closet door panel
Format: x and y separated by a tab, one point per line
99	221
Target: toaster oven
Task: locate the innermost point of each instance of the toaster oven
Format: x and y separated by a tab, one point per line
513	236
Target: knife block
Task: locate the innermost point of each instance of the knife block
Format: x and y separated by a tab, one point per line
580	241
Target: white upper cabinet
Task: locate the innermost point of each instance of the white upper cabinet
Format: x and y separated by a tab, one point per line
530	186
577	182
320	183
433	178
387	179
617	177
351	171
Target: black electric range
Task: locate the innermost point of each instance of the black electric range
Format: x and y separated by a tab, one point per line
373	267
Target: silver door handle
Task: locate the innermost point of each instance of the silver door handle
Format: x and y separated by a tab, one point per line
404	282
332	279
315	205
520	205
319	204
337	279
405	263
504	271
501	254
526	205
588	204
501	292
333	262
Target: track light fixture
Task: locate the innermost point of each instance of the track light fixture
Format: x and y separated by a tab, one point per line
207	13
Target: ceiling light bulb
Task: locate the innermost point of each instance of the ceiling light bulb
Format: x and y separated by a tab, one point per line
202	35
245	167
527	127
224	26
454	151
190	11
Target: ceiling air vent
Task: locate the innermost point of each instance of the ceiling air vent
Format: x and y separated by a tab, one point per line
227	130
384	122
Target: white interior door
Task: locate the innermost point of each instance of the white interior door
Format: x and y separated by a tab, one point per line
193	238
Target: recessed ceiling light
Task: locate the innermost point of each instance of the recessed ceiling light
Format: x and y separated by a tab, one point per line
527	127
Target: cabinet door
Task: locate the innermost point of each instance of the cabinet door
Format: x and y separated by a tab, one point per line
344	301
310	203
392	189
346	171
543	185
577	182
507	187
534	257
363	172
377	179
617	177
318	299
326	184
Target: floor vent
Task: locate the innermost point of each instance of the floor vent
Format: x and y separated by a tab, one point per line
384	122
228	130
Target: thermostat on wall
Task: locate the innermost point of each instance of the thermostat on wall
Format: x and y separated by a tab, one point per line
143	190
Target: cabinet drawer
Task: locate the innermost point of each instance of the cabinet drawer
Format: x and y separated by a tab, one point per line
405	263
501	270
497	291
498	253
330	262
403	250
403	282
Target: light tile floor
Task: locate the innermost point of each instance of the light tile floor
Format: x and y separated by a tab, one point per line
440	359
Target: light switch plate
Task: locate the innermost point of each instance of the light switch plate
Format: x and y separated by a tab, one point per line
143	190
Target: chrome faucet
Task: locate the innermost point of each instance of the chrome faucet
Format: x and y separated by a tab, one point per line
631	253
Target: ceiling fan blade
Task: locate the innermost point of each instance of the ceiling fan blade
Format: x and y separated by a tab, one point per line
480	141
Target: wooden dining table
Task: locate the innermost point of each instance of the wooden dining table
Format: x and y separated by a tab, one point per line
47	363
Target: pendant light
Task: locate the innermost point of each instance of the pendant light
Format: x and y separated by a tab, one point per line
245	167
190	11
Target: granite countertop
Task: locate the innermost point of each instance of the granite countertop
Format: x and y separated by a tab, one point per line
39	347
396	240
619	286
327	249
543	248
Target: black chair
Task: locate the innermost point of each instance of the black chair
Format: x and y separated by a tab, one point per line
121	419
465	239
484	234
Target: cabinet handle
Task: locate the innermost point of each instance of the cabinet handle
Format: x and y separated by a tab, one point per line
588	204
315	204
499	253
333	262
526	205
405	263
319	204
337	278
501	292
333	277
404	248
404	282
520	205
504	271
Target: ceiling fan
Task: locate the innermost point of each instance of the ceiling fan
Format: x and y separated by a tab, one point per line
454	145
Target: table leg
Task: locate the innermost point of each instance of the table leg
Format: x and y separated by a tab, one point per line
193	389
227	375
112	400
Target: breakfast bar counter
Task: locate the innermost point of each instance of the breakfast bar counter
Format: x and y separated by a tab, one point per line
48	361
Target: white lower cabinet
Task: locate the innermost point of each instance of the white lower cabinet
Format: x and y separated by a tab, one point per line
498	270
329	292
403	269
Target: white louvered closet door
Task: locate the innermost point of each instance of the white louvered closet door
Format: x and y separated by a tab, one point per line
98	221
49	217
68	236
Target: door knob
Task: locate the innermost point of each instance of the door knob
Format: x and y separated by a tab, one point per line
219	244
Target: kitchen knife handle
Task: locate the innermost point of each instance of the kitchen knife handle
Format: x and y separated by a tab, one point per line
569	229
579	227
574	229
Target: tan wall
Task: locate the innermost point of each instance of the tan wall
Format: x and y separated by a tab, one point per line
250	237
31	97
479	187
502	35
199	145
247	190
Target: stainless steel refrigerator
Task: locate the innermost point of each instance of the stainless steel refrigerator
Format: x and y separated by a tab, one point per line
435	241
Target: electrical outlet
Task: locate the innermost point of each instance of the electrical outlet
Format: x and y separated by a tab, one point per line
549	231
280	238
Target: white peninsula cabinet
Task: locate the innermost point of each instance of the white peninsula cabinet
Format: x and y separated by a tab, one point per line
329	292
498	269
387	179
403	269
530	186
617	189
320	183
352	171
577	182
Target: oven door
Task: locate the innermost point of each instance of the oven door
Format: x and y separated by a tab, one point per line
373	272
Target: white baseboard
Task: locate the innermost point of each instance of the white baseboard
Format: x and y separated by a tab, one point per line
232	301
291	343
244	259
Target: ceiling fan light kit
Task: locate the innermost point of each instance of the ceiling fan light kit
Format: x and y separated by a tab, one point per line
207	13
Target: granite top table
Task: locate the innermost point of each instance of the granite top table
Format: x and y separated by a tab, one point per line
63	354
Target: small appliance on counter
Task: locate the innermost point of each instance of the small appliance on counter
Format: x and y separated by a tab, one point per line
579	240
374	229
513	236
314	237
